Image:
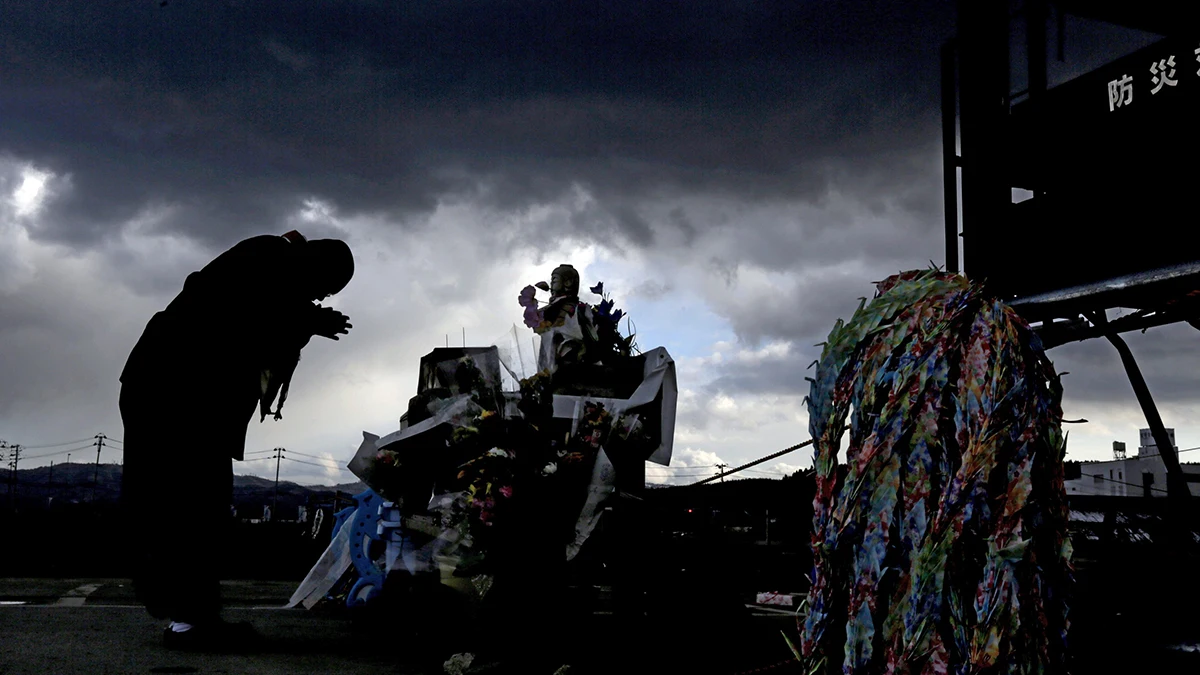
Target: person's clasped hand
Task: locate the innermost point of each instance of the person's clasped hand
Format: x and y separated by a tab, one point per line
330	323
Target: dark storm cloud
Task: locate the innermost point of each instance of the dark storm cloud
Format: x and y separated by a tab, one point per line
651	289
234	113
773	375
768	160
1169	358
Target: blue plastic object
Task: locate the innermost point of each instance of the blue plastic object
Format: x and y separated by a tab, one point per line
363	520
339	519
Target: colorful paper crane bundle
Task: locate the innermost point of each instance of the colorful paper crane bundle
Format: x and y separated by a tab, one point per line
940	535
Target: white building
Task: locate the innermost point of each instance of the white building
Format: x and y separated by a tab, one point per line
1125	476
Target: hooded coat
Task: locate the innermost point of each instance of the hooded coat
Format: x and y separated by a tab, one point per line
226	344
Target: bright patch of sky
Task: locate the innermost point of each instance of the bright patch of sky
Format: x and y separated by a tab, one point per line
681	321
27	198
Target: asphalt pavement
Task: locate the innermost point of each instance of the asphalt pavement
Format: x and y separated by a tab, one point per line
95	627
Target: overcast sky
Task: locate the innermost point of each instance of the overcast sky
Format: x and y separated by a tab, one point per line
736	173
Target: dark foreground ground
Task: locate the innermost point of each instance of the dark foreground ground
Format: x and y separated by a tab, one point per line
93	626
1137	608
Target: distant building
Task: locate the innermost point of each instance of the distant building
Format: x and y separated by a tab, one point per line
1144	474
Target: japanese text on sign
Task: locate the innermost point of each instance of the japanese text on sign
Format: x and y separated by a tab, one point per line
1162	74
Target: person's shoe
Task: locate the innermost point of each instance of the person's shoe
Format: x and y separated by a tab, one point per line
219	636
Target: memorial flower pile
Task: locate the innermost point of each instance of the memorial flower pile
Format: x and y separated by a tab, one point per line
481	481
490	479
477	468
386	468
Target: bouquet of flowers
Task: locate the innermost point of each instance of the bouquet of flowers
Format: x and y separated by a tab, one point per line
606	320
489	480
599	322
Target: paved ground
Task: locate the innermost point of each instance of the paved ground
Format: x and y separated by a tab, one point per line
94	627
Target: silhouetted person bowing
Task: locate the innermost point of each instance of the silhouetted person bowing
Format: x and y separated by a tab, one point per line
225	347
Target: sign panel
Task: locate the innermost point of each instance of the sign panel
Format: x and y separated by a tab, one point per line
1110	157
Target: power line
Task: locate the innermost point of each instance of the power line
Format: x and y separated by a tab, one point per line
89	440
706	467
332	462
1103	477
755	462
55	445
678	472
60	452
323	466
294	452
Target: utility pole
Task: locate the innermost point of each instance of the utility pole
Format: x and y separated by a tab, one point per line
275	502
3	455
96	472
721	470
14	457
50	487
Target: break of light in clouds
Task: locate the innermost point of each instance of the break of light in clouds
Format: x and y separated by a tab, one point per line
736	173
28	196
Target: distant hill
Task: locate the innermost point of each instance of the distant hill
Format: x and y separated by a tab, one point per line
71	485
67	485
252	482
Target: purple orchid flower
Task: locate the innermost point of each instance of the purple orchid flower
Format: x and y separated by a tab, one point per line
598	289
526	298
533	317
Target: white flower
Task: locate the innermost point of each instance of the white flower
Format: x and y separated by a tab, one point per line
497	452
458	664
549	469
